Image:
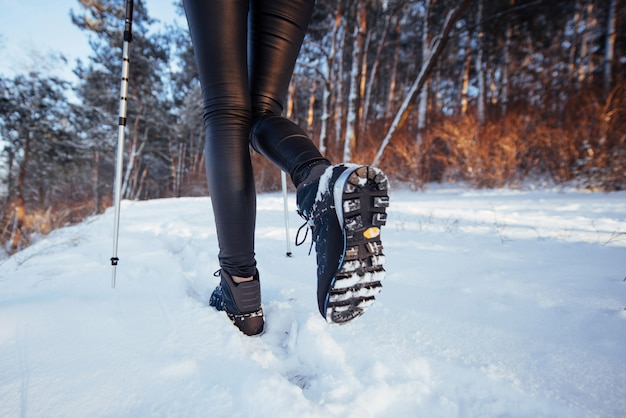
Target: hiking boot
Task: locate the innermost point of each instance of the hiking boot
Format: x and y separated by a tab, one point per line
345	209
240	301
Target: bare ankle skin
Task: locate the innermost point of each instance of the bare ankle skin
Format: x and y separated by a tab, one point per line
238	279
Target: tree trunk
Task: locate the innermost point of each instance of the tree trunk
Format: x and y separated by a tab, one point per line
291	112
177	162
140	184
20	215
129	164
573	50
372	76
436	102
466	75
327	95
609	48
393	78
480	105
507	64
363	84
586	62
423	97
182	152
311	112
354	96
132	165
338	81
95	180
198	165
9	182
20	209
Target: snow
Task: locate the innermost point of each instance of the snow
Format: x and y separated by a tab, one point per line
496	303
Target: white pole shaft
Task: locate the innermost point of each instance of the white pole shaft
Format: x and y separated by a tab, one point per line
120	156
283	179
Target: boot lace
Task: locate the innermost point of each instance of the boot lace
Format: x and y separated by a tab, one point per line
308	224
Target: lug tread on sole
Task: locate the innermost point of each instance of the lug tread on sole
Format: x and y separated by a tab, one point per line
365	201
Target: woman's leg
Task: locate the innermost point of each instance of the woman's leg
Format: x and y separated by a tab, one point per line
277	29
347	209
218	30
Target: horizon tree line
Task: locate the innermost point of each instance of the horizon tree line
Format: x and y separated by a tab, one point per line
489	93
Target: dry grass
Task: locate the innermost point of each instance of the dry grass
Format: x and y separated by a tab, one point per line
583	141
40	221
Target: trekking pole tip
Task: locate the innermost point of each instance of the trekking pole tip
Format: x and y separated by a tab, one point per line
114	261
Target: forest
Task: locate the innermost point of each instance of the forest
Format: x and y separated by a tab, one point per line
482	93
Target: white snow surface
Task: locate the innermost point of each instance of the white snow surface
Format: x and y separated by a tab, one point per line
496	304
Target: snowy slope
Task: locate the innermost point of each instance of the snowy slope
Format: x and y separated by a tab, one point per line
496	303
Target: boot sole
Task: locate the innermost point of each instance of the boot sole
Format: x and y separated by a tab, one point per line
361	200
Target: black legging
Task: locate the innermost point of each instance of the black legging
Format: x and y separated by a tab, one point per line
246	51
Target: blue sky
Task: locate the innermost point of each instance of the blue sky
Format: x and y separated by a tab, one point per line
30	30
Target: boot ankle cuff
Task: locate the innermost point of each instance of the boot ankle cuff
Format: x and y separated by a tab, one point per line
245	296
310	172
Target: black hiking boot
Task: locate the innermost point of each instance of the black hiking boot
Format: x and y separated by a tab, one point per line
240	301
345	209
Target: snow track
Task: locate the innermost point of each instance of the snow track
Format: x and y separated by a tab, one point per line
496	303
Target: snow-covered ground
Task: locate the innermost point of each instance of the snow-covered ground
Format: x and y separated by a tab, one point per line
496	303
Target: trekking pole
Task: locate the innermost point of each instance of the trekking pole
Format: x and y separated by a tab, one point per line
119	162
283	179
